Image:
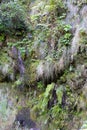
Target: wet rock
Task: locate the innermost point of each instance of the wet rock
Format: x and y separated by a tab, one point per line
17	62
13	53
23	119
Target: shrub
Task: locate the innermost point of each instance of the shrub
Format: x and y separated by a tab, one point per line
12	19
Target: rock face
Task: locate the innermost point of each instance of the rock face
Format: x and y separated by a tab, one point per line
18	65
76	17
73	58
23	120
51	61
6	70
10	119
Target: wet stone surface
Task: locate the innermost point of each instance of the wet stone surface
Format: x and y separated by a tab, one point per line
11	116
23	119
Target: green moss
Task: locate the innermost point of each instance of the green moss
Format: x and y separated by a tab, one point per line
63	78
4	57
33	75
83	37
1	38
71	75
30	74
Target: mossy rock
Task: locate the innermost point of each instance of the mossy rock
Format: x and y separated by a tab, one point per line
30	74
4	58
6	69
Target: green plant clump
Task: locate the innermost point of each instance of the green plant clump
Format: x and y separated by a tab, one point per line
12	19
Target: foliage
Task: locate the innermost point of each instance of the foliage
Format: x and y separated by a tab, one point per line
44	98
66	37
22	45
1	38
40	86
12	19
59	113
49	28
17	83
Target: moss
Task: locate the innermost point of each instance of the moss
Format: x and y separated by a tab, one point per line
3	57
30	74
83	36
63	79
71	75
1	38
5	68
33	71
